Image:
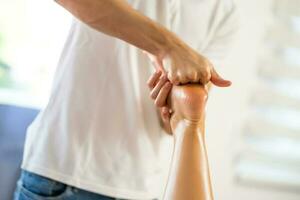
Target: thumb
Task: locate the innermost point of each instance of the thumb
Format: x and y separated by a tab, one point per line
157	62
165	115
217	80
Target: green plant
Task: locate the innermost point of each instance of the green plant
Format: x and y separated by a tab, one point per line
5	78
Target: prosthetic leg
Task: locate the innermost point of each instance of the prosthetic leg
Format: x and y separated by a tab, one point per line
189	177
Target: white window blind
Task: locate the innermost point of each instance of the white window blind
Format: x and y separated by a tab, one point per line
271	133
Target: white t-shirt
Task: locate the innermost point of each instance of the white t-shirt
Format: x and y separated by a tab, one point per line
100	131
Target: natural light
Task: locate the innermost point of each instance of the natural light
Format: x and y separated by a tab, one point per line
30	44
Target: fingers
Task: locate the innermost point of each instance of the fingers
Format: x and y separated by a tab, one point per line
160	88
185	68
159	65
180	78
217	80
153	79
162	96
203	77
163	79
174	79
193	76
165	116
156	62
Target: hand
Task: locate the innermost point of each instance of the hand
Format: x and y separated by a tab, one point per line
184	65
160	88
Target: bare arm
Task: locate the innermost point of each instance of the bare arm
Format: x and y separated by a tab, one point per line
189	176
118	19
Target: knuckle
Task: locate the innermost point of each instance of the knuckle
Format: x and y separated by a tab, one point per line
166	88
152	95
183	78
170	76
208	76
158	103
176	82
165	117
204	77
194	76
174	79
164	79
149	83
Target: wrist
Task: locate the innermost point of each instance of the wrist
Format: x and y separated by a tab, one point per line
184	127
171	43
189	124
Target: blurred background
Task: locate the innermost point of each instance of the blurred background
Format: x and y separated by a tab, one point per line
253	128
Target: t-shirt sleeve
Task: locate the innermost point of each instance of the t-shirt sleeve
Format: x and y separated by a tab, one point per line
224	35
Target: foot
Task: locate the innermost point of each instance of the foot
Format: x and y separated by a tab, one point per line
188	104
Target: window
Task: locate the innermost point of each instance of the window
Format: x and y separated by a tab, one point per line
32	35
271	154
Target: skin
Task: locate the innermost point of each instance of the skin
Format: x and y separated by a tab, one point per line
118	19
181	106
189	173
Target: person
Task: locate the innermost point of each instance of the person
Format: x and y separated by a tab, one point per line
100	135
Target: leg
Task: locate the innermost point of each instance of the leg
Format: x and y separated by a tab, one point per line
189	173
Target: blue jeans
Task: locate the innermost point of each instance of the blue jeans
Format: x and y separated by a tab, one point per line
34	187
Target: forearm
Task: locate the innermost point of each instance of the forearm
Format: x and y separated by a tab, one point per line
118	19
189	174
190	171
